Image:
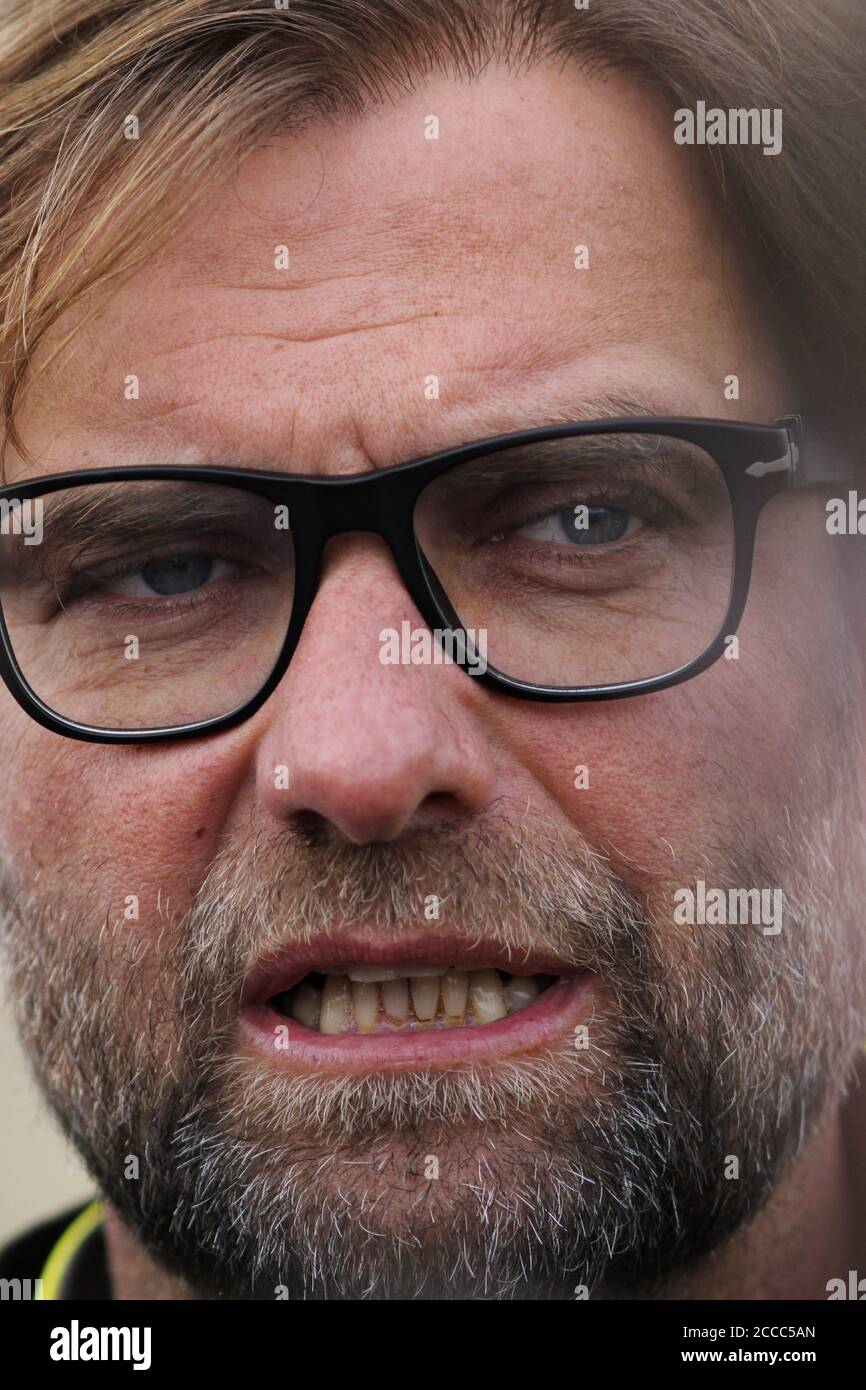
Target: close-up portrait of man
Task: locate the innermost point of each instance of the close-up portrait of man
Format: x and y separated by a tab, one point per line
433	646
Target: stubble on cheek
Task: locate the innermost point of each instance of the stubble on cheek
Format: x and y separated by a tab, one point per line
131	1029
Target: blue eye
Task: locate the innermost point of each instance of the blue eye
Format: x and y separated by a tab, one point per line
177	574
595	525
163	576
581	525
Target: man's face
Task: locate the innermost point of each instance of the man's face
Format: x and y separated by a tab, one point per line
425	816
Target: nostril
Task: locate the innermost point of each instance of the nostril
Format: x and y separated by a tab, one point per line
313	829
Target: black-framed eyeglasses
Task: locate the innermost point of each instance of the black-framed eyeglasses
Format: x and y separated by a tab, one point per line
586	561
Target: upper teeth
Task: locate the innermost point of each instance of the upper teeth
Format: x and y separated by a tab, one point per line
375	974
367	998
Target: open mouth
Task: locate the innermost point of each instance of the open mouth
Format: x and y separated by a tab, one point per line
402	999
333	1007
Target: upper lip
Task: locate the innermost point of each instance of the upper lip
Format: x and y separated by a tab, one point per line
283	969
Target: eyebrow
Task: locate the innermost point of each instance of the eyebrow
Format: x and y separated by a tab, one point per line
607	406
673	468
90	515
481	420
113	504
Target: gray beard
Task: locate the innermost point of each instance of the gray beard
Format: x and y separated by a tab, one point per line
569	1171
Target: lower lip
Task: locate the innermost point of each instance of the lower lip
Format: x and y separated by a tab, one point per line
556	1013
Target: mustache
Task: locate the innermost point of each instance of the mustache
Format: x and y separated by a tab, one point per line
491	881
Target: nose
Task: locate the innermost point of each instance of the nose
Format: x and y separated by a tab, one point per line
368	746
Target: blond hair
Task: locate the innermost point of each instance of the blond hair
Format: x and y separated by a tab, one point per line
208	79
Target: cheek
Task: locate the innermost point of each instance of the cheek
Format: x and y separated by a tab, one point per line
634	777
93	824
713	763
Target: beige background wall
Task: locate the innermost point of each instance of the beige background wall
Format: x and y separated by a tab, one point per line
39	1174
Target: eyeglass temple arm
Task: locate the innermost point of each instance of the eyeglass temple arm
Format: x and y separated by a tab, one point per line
812	457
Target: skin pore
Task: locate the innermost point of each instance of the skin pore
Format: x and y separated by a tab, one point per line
455	257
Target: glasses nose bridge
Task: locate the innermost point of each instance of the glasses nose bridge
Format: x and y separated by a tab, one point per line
375	504
380	505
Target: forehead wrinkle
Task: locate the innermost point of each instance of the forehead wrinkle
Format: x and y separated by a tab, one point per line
390	233
161	416
268	334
